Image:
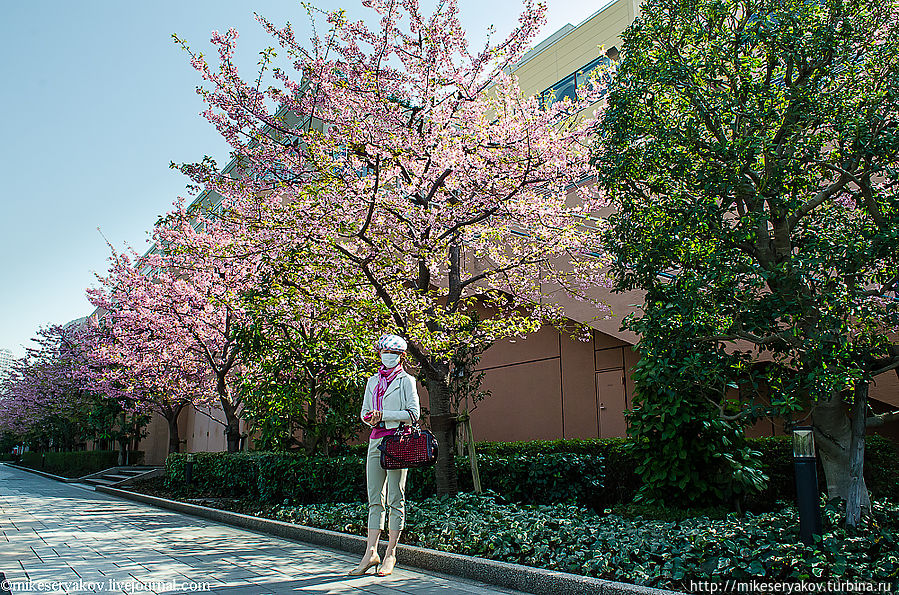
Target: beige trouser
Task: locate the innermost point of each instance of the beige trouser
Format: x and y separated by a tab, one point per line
384	486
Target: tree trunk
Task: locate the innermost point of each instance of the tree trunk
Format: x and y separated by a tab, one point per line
855	506
123	443
232	422
136	432
443	426
472	456
311	433
833	436
232	425
171	416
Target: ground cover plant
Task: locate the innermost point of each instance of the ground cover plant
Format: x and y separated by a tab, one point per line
712	545
666	554
653	545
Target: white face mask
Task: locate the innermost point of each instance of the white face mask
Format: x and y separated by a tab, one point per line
390	360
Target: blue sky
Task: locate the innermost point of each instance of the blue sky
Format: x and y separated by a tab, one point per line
97	101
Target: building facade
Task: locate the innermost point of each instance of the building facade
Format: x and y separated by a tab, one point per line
6	360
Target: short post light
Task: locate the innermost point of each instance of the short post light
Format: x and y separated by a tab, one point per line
805	466
189	468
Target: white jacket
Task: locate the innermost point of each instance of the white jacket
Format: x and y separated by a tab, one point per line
401	395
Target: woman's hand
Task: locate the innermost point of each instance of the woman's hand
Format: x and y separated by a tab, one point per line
375	418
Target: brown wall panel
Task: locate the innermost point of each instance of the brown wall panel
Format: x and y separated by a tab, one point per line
540	345
187	420
761	428
156	444
526	403
885	389
609	359
603	341
206	435
203	434
888	430
578	389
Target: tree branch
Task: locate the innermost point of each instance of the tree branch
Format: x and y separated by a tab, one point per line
815	202
892	366
876	421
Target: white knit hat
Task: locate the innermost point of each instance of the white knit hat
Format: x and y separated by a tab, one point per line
392	342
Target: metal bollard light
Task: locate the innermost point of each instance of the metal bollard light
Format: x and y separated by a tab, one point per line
189	469
805	467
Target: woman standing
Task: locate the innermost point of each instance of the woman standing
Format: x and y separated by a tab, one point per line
390	398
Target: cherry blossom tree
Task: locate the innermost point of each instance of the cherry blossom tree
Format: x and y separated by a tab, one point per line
403	157
53	394
162	377
175	313
39	389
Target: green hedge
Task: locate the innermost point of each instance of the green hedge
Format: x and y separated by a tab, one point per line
298	479
598	473
881	470
621	483
78	463
8	456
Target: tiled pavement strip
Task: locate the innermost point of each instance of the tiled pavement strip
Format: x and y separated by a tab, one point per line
91	542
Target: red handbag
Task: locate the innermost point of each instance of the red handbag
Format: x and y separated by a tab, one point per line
410	447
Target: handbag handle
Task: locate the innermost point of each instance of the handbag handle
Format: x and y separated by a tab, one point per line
411	427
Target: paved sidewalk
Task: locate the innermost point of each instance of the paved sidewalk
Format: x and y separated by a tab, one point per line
87	541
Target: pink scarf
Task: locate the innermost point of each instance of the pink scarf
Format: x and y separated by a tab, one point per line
385	377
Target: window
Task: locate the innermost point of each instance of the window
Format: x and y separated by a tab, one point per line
564	88
574	85
583	75
558	92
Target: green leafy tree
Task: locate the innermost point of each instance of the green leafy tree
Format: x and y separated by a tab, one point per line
750	148
307	360
691	453
8	441
107	421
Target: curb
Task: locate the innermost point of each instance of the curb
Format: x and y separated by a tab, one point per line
43	473
501	574
149	473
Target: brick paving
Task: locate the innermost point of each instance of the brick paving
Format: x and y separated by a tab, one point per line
66	538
